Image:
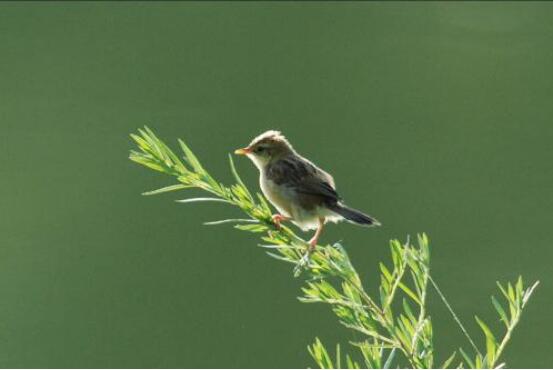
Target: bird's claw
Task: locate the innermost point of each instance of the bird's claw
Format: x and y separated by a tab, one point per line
277	219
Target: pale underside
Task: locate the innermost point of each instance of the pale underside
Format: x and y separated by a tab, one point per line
285	200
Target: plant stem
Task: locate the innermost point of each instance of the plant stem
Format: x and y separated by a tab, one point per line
455	317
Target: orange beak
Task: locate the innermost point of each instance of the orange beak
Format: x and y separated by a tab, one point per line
243	151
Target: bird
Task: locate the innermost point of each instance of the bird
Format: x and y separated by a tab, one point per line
301	192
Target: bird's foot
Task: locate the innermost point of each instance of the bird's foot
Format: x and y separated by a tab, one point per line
277	219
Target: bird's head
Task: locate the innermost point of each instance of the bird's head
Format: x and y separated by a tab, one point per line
266	147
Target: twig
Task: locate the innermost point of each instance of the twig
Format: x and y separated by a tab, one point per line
455	317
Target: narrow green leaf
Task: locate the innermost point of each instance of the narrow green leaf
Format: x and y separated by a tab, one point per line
448	362
502	315
166	189
491	342
338	355
468	360
147	163
231	220
255	228
350	363
151	143
142	144
238	179
191	158
395	256
410	293
408	311
528	293
276	256
391	356
511	292
478	362
264	203
502	289
320	355
279	246
519	287
192	200
173	158
385	272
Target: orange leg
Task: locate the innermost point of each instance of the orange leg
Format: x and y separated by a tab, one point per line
278	218
315	238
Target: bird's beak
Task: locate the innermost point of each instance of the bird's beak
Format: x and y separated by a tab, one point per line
243	151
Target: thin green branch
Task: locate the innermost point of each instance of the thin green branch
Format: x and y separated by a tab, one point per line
521	299
455	317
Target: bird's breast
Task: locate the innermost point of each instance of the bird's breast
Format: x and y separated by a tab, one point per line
279	195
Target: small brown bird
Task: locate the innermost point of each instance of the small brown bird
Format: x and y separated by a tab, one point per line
300	191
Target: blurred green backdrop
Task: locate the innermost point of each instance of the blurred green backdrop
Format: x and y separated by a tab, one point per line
432	116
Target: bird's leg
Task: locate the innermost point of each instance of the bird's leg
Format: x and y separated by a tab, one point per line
312	244
278	218
313	241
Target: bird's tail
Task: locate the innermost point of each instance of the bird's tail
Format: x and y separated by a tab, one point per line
354	215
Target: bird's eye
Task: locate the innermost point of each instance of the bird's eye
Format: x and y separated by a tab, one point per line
259	149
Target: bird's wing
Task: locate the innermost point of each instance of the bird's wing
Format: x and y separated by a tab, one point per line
304	177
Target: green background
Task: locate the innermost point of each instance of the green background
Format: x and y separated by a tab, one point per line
432	117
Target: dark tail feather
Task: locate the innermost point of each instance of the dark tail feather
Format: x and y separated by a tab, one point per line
354	215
